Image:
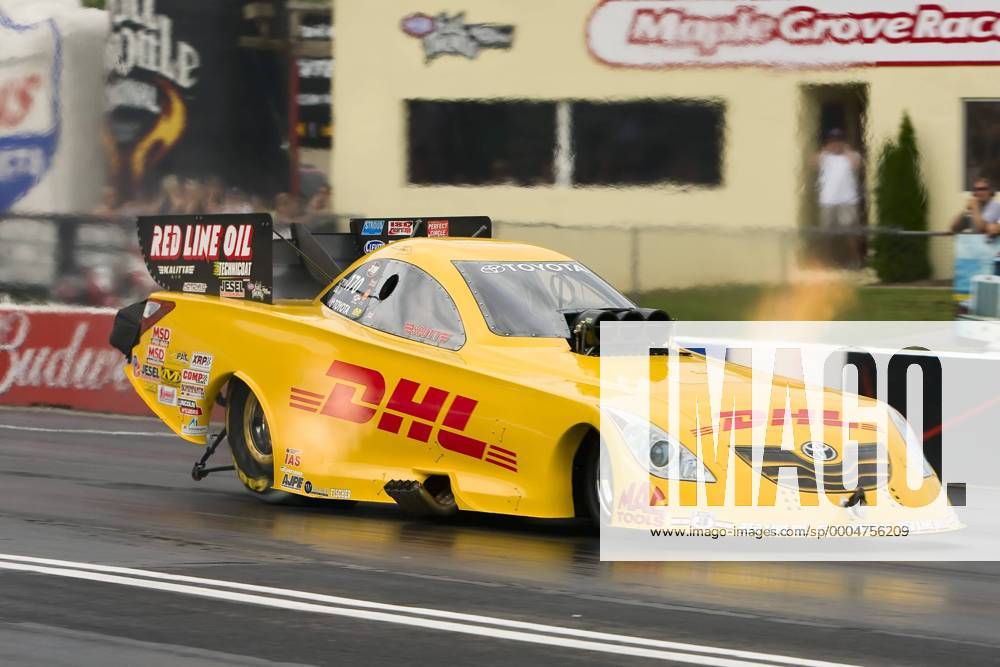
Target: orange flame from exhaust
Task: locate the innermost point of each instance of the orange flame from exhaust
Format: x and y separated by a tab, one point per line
815	297
162	137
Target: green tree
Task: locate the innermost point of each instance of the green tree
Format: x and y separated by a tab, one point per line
901	203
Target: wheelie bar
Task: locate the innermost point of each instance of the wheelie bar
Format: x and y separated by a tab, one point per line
199	471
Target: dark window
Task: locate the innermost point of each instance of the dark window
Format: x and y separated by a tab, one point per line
481	143
982	141
399	299
532	298
641	143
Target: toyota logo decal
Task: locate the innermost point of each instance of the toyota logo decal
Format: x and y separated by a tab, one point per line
819	451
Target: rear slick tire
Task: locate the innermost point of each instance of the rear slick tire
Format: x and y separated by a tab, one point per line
250	442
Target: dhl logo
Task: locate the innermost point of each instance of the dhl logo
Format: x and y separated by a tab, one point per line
735	420
402	404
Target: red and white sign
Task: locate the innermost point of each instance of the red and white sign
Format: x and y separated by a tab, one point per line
189	376
156	355
802	34
161	336
202	242
61	357
437	228
400	228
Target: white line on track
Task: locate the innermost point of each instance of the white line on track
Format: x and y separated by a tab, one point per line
473	624
86	431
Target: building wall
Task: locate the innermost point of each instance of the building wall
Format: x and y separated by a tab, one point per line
767	139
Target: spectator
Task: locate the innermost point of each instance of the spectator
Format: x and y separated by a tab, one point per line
319	203
236	202
287	208
195	196
214	193
171	196
982	213
839	165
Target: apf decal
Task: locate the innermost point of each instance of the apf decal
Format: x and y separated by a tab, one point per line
402	404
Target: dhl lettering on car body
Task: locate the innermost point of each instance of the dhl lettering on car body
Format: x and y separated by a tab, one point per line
402	403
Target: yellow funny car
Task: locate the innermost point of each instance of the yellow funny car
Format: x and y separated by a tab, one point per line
411	361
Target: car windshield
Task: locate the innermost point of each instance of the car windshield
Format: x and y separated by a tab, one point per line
532	298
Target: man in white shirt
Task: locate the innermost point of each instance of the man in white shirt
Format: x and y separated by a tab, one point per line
982	213
837	186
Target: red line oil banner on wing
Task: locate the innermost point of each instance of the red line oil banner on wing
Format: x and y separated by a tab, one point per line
793	33
220	255
61	357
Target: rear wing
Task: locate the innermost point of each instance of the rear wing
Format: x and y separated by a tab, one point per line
243	256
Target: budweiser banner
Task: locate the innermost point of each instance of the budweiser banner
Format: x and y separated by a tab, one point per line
61	357
783	33
220	255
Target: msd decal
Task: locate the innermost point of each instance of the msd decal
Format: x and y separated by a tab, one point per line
402	405
30	72
787	33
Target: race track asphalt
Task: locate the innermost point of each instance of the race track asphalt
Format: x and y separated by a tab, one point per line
76	489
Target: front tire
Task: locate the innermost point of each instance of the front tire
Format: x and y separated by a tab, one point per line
593	495
249	438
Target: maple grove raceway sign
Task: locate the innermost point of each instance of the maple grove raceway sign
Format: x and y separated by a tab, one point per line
779	33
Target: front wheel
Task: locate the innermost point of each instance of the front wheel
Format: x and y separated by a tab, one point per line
250	441
593	492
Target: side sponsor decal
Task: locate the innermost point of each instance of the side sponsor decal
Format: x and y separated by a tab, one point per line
373	245
161	336
156	355
166	395
171	376
193	391
194	428
423	415
291	482
200	361
190	376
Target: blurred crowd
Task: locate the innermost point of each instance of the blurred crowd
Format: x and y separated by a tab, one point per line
190	196
99	264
